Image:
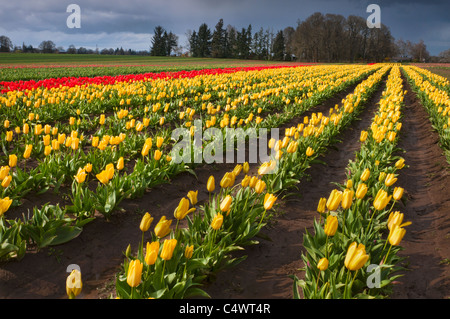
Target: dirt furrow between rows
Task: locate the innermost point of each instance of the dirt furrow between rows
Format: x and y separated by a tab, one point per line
265	272
427	188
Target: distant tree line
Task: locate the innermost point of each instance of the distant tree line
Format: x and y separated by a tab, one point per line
319	38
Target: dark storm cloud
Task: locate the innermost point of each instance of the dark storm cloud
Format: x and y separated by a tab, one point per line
134	20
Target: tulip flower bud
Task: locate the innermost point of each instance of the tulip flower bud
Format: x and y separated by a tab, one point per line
74	284
151	253
363	136
381	200
269	200
81	176
157	155
400	163
217	221
12	160
120	163
361	191
322	205
398	193
168	248
6	181
189	251
309	151
134	273
245	167
365	175
260	186
146	221
331	225
5	203
396	235
159	141
210	185
226	203
192	197
322	264
27	152
334	200
390	180
162	229
347	198
9	136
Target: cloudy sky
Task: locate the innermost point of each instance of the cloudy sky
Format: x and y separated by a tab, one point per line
130	23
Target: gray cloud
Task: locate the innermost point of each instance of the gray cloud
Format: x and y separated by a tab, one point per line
107	22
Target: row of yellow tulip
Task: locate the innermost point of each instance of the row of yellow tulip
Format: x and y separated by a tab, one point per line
358	213
433	92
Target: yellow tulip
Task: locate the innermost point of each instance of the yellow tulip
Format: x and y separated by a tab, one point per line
120	163
381	200
134	273
269	200
398	193
81	176
322	205
390	180
88	167
245	167
400	163
6	181
74	284
157	155
159	141
189	251
27	152
260	186
361	191
237	170
347	198
363	136
356	256
210	185
395	218
192	197
151	253
182	209
396	234
5	203
168	248
226	203
103	177
217	221
4	171
334	200
309	151
331	225
162	229
253	181
322	264
365	175
12	160
9	136
145	149
146	221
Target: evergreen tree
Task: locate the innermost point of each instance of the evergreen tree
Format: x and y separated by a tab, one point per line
159	42
279	47
204	41
218	42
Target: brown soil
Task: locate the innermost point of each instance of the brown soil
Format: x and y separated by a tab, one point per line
98	251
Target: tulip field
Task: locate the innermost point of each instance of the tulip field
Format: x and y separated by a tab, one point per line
77	151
